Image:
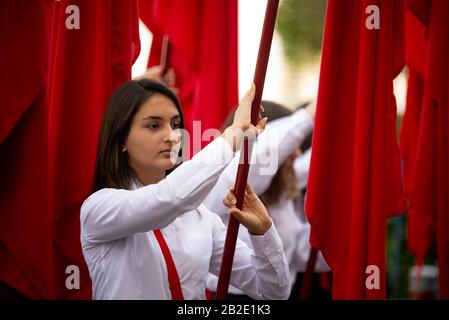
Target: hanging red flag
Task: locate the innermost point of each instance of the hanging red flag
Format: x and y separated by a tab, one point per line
87	64
419	233
354	181
429	201
25	228
203	53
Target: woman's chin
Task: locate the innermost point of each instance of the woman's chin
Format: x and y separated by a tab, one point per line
167	164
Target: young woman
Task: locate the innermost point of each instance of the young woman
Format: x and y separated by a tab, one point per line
144	232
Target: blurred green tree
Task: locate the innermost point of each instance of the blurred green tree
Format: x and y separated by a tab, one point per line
300	25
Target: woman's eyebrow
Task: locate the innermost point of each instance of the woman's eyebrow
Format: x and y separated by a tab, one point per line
152	118
177	117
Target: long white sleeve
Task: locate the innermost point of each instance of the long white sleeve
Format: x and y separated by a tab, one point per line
106	215
272	147
302	253
261	273
295	235
301	167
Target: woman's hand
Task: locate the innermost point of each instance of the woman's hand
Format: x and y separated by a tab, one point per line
155	72
311	108
241	125
254	215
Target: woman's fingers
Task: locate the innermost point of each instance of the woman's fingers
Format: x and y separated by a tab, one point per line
242	115
227	203
261	125
254	131
170	77
311	108
238	214
248	189
154	72
248	97
230	200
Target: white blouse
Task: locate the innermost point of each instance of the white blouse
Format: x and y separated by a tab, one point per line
125	260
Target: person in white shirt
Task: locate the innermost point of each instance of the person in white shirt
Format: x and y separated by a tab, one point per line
280	188
135	202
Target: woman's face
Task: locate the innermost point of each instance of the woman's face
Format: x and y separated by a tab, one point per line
287	166
289	176
154	138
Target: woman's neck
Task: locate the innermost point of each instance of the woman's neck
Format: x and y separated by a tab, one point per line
150	176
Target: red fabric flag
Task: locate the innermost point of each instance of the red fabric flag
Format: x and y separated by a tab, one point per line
87	64
416	50
419	229
429	201
203	52
25	228
18	36
354	182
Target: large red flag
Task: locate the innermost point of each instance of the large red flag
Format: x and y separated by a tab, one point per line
429	200
354	182
203	52
420	235
416	50
87	64
25	228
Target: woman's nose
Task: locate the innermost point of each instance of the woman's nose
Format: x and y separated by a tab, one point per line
172	135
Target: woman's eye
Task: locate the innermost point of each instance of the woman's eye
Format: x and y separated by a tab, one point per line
175	125
153	125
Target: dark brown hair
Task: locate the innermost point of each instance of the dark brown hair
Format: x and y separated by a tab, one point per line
112	169
272	111
307	143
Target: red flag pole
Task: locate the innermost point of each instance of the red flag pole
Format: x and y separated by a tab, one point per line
165	52
306	285
242	172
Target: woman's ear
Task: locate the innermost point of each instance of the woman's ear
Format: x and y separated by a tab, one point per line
124	149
